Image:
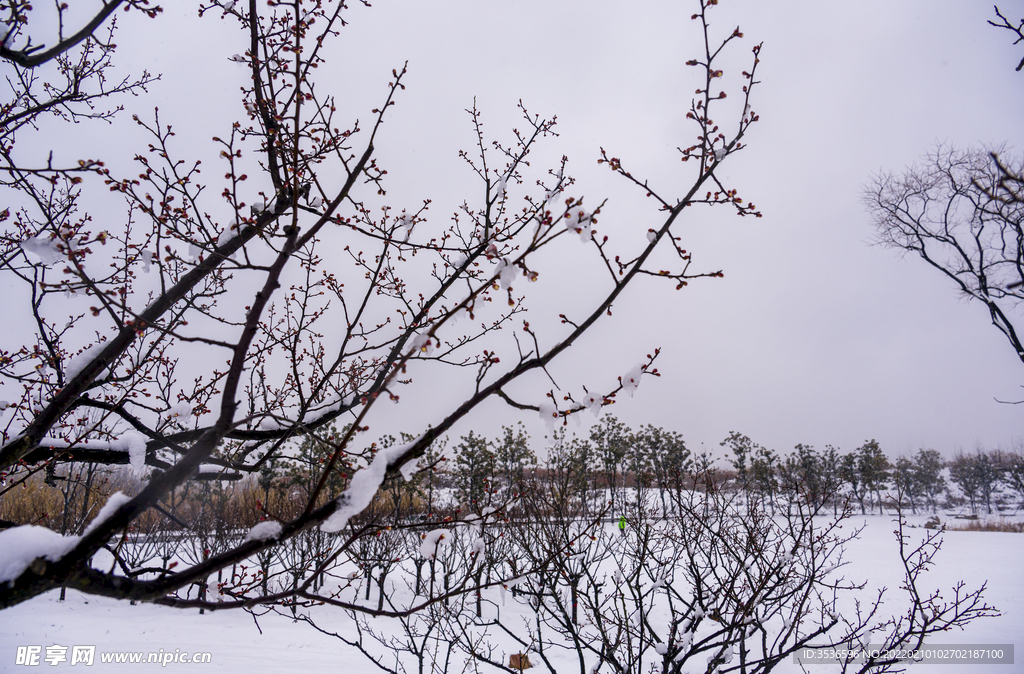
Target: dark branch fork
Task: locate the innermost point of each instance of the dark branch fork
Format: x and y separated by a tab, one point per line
1018	30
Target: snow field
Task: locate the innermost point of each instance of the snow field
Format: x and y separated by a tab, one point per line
272	643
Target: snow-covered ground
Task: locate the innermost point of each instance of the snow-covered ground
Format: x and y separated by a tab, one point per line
236	644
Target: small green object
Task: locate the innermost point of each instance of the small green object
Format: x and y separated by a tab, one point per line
622	523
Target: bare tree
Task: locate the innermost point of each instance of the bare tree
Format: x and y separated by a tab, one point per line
716	584
961	211
229	267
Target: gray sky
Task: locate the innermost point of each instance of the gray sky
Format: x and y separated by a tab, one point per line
813	335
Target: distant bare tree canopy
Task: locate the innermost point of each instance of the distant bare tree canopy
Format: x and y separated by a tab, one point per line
962	212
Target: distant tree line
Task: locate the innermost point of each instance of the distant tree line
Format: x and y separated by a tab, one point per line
611	468
868	477
615	458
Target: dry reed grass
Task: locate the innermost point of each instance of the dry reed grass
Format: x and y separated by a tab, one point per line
982	525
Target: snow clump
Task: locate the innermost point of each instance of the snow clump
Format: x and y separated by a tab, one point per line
264	531
134	443
181	412
507	273
578	221
21	546
421	343
510	584
548	412
432	543
148	257
44	248
363	487
631	380
406	223
79	362
593	402
116	500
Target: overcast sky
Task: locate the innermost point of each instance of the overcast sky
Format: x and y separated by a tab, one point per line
813	335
